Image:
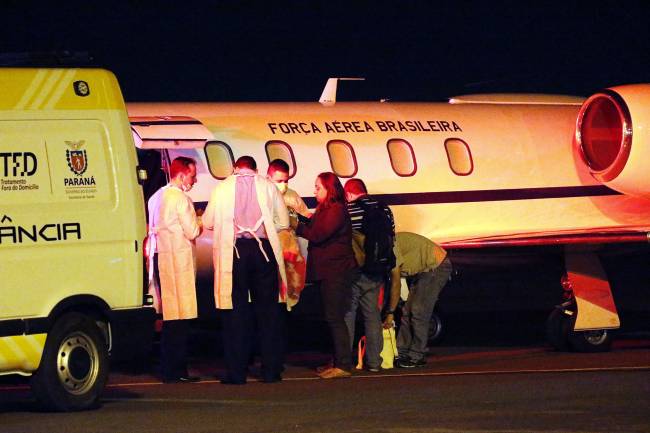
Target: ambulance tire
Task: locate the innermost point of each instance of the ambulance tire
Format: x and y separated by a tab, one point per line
74	366
557	329
594	341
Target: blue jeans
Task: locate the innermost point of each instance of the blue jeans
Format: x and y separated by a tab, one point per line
424	289
365	294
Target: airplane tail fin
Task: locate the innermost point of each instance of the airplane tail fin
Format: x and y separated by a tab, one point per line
328	97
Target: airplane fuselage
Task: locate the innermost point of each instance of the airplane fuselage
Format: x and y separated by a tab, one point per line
515	170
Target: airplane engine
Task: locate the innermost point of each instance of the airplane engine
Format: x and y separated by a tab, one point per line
613	138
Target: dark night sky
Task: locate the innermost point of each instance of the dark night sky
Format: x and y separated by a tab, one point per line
274	51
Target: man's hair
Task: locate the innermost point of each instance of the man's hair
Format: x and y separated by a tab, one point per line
332	185
181	165
278	165
246	162
355	186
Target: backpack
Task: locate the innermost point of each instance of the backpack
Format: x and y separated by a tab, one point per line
379	240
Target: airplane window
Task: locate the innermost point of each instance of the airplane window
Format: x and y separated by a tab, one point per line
402	157
459	156
342	158
220	159
276	149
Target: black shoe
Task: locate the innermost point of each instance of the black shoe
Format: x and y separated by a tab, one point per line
228	381
189	379
421	362
409	363
272	379
372	369
182	379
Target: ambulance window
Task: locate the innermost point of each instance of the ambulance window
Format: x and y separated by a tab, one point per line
342	158
220	159
402	157
276	149
459	156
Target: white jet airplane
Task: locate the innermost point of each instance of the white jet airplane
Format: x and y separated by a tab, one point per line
480	173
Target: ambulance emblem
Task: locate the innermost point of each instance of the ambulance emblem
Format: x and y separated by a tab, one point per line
81	88
76	157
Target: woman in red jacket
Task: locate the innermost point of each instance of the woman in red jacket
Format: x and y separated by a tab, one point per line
331	263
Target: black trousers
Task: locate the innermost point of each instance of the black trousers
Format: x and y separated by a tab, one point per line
336	294
173	348
253	274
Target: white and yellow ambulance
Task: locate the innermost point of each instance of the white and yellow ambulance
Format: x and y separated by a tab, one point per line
72	225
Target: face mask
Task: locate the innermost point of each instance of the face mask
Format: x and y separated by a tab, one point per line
282	187
185	187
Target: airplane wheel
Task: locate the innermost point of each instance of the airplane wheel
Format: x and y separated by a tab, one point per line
435	329
74	365
557	329
599	340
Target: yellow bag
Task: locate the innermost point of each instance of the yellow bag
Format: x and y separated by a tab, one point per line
389	352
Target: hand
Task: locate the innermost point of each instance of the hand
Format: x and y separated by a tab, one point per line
389	321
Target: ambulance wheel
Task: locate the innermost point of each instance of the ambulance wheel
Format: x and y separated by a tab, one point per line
557	329
598	340
74	365
435	329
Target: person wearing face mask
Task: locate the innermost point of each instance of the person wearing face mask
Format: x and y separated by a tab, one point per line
294	249
173	226
278	172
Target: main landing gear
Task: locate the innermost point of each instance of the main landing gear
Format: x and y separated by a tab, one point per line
561	335
584	322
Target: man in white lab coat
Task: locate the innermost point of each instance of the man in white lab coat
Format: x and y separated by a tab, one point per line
173	228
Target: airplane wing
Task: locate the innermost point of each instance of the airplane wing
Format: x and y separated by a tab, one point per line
569	237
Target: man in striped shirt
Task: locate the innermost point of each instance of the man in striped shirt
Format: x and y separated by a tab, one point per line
365	291
356	193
